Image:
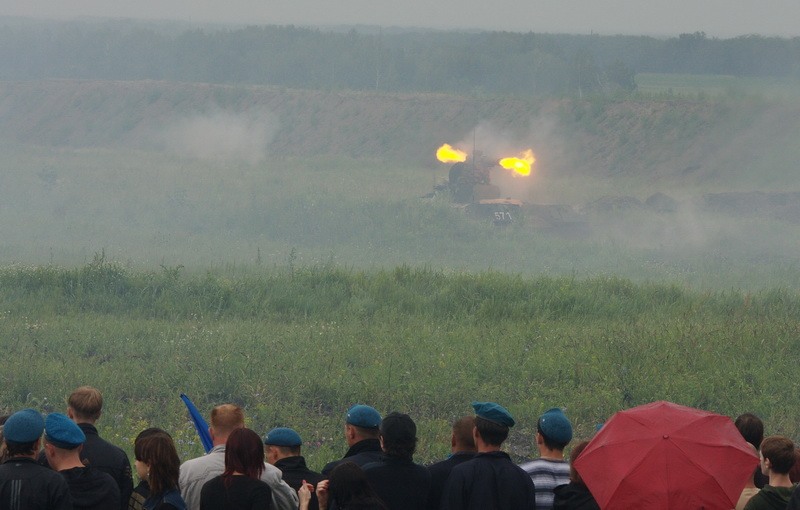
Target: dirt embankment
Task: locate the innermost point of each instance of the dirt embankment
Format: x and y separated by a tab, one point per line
749	142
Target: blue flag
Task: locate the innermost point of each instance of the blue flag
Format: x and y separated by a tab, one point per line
199	423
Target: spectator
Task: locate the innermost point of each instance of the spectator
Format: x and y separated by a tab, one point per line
462	448
3	450
195	473
348	489
157	462
752	429
490	480
361	433
750	488
142	491
90	488
24	484
239	487
575	495
282	448
777	458
396	479
553	434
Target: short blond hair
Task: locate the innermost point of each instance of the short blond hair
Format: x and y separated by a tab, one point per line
86	402
226	418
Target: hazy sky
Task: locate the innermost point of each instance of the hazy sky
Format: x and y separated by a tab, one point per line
719	18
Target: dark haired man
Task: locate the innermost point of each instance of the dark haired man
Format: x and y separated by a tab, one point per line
397	480
752	430
777	459
462	447
553	434
362	435
282	448
24	484
491	479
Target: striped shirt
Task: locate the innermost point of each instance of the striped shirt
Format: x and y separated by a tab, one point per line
547	474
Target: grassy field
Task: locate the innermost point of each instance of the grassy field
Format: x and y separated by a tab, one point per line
716	85
297	345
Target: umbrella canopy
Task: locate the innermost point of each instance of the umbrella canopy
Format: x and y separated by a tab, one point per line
667	456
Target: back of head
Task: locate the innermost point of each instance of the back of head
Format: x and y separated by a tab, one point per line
751	427
555	428
349	486
491	433
22	432
86	404
574	476
243	454
226	418
462	433
780	452
158	451
399	433
363	421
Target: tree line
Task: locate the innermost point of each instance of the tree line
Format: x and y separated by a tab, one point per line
507	63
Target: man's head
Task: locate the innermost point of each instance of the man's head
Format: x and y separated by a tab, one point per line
361	423
777	455
22	433
225	418
398	436
280	443
85	405
751	427
63	441
462	440
492	424
553	430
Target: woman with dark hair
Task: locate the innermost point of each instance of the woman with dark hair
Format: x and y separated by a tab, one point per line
574	495
349	488
239	487
142	491
157	463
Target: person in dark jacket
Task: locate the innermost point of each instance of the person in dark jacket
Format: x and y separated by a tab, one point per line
348	489
396	479
25	484
157	462
777	458
142	491
90	488
491	479
361	432
282	448
794	501
462	447
574	495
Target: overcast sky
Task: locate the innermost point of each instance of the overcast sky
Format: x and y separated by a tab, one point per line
717	18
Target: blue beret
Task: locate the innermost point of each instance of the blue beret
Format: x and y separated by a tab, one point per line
493	412
24	426
363	416
555	426
283	436
62	432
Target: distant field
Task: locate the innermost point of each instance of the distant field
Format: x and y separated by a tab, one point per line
297	345
693	85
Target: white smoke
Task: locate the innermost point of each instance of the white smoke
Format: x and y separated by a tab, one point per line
222	136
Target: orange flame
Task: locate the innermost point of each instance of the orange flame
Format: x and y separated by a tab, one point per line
447	154
521	165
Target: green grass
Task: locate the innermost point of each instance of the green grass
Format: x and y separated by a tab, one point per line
708	85
296	345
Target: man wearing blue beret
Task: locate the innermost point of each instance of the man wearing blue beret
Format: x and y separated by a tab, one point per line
361	430
491	479
282	449
553	433
24	484
91	489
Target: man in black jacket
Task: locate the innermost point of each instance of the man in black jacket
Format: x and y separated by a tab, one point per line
91	489
491	479
282	450
24	484
462	446
362	433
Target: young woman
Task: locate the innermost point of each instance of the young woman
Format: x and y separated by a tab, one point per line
157	463
239	487
349	487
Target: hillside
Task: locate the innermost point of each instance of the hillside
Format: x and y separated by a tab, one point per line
719	144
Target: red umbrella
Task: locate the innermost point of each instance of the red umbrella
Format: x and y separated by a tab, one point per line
666	456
